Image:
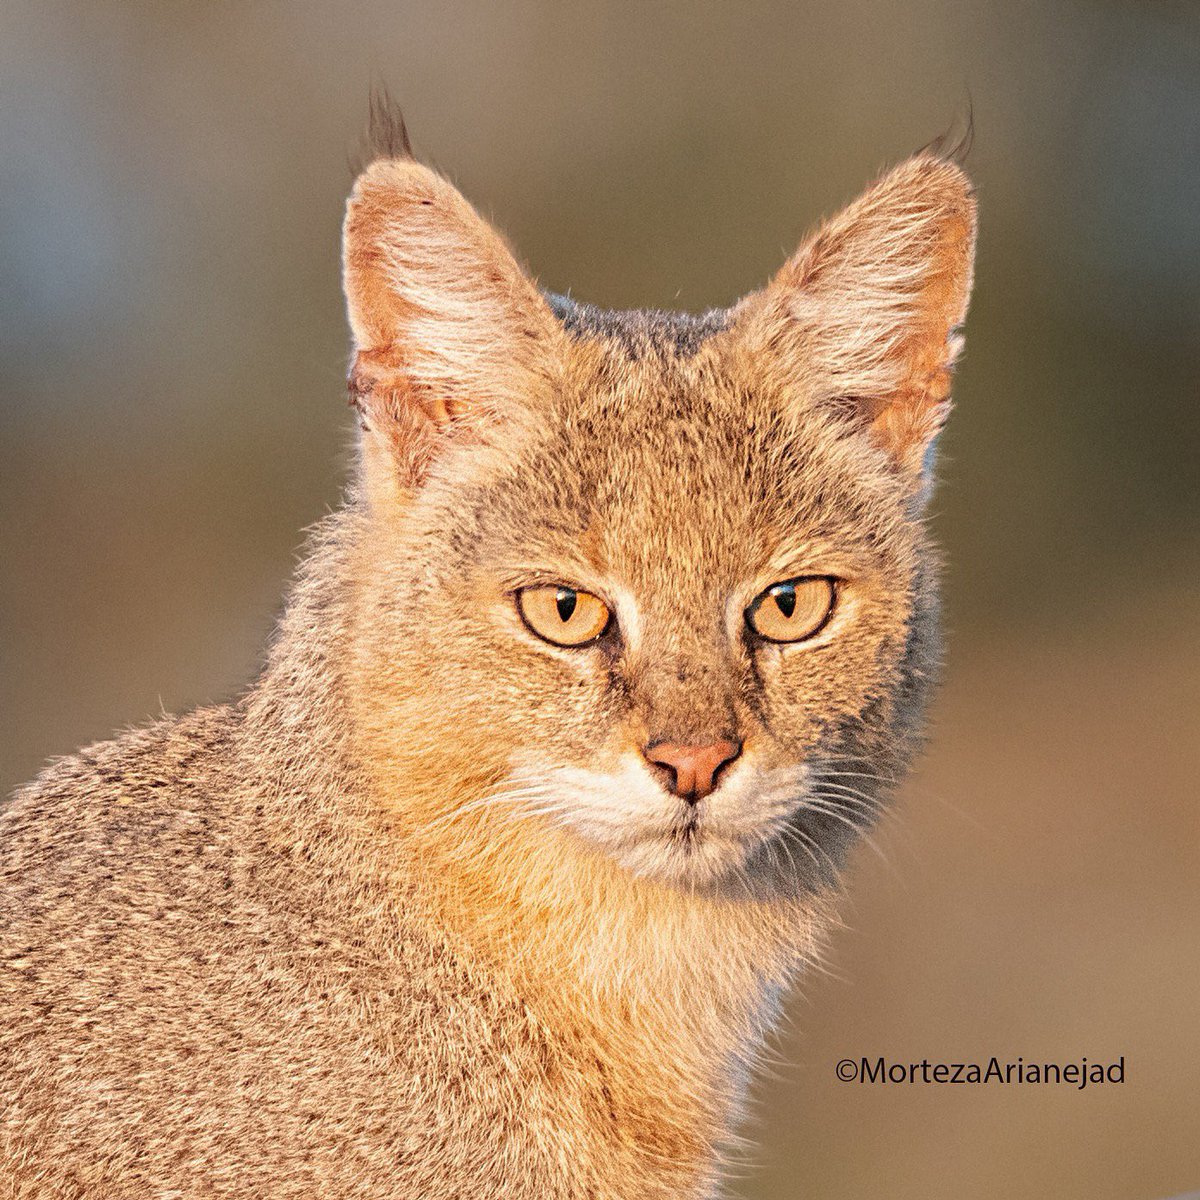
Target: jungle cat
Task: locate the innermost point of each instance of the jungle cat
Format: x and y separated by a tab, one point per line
491	884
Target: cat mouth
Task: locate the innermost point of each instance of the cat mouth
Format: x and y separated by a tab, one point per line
686	833
726	835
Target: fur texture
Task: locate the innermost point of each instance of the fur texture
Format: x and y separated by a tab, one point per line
414	918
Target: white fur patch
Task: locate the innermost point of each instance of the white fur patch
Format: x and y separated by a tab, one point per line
628	815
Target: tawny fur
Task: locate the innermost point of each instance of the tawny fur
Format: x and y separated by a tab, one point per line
398	923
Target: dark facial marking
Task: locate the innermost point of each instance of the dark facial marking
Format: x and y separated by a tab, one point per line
639	332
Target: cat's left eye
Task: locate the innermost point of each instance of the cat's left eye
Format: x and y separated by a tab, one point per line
563	615
794	610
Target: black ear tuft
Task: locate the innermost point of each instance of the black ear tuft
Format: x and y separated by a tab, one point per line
387	134
955	144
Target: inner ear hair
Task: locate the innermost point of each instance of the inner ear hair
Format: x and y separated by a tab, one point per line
870	307
449	331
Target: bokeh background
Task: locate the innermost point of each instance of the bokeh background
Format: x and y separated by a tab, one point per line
172	357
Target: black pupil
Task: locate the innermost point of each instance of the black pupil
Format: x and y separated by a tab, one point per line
785	597
566	601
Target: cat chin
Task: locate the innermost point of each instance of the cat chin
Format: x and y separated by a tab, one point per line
696	861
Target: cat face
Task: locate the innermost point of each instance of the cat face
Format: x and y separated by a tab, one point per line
656	583
669	487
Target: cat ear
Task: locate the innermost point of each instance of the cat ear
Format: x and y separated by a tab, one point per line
449	332
868	308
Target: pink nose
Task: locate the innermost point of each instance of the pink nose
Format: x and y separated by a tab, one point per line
693	769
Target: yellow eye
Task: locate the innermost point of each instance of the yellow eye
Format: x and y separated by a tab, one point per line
793	610
563	615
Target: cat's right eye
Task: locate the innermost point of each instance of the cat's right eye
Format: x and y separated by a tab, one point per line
563	615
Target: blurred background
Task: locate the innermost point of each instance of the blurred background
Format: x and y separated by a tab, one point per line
172	355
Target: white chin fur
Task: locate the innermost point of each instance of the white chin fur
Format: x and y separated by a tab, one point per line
628	815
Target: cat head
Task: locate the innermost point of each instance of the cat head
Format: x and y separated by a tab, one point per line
655	583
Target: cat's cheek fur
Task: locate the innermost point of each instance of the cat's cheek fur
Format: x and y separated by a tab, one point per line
809	687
